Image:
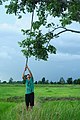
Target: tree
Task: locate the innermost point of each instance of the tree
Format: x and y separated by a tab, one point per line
39	82
78	81
69	80
75	81
4	82
43	80
62	81
19	82
51	82
36	82
11	80
47	82
37	43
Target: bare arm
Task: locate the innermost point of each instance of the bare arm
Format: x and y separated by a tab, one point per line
23	73
29	71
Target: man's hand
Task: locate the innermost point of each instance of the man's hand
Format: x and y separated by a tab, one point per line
26	68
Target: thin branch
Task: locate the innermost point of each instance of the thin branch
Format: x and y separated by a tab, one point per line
55	35
57	28
32	17
65	30
75	31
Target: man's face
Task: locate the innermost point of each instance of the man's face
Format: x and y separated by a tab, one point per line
28	76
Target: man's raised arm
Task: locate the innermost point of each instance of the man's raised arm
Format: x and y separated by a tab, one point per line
23	73
29	71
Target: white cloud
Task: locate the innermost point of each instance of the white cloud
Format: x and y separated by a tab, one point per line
24	22
8	27
65	57
7	52
16	26
4	55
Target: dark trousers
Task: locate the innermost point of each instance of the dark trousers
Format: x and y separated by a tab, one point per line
29	99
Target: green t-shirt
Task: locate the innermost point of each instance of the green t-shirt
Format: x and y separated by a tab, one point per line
29	85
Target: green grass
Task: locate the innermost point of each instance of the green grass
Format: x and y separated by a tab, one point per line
55	110
58	91
5	108
11	108
41	90
11	90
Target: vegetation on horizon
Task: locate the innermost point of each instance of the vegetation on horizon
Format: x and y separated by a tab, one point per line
44	81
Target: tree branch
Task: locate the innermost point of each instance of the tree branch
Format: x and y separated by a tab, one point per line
75	31
55	35
65	30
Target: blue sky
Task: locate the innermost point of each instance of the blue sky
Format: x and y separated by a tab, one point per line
66	63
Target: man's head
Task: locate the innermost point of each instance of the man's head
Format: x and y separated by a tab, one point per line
28	76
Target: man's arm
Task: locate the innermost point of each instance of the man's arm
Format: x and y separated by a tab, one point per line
29	71
23	73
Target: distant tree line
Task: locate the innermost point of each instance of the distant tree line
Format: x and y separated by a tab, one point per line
61	81
11	81
44	81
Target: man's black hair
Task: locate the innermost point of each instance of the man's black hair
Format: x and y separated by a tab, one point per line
27	75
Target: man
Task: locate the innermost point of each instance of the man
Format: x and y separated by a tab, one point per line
29	96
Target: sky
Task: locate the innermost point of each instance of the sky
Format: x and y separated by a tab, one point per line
66	62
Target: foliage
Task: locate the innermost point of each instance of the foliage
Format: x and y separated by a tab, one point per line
76	81
39	82
51	82
4	82
11	80
37	43
36	82
62	81
69	81
43	80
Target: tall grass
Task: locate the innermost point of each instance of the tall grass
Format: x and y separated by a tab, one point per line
53	110
12	106
5	108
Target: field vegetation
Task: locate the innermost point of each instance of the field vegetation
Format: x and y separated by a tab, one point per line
52	102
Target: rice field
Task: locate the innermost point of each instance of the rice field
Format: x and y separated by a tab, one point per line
52	102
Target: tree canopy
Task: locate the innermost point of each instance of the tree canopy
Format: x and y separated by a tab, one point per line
37	43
